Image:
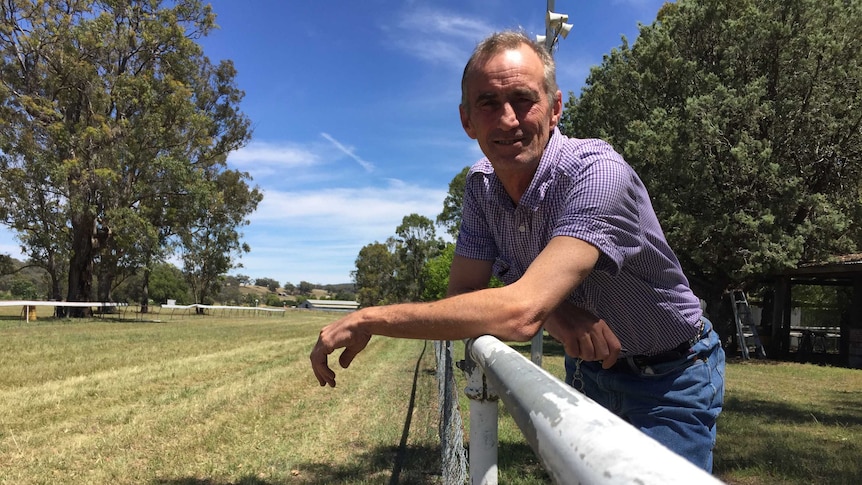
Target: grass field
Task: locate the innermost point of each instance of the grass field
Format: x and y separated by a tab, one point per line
214	400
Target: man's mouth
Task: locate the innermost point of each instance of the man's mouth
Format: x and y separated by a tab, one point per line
511	141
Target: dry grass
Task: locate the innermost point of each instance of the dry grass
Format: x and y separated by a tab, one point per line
202	400
219	400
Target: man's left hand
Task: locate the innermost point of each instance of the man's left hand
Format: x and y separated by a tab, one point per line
584	335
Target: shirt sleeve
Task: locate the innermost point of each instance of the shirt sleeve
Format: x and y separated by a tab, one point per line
475	240
602	208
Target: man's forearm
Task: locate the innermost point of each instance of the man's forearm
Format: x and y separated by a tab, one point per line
484	312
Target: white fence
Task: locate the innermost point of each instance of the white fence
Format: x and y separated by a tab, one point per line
576	439
28	305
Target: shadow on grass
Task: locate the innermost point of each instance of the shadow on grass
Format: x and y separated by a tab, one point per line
517	464
421	467
204	481
765	438
841	410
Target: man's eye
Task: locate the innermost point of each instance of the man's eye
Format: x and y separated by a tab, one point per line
525	102
488	105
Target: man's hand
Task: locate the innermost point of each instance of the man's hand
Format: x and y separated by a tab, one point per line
343	333
584	335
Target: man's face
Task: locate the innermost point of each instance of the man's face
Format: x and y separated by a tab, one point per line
507	110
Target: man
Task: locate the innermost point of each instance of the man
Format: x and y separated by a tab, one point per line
569	227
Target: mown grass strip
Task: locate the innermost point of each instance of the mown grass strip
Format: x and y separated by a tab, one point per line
225	400
208	399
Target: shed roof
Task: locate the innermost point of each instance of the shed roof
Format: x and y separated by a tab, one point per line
846	266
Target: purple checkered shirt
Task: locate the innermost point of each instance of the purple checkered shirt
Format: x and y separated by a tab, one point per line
584	189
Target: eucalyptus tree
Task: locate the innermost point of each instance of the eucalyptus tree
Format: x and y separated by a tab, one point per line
111	119
374	276
417	243
450	216
743	119
212	241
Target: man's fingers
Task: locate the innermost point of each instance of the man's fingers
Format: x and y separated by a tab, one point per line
600	346
347	357
586	347
320	365
614	347
572	348
350	352
325	376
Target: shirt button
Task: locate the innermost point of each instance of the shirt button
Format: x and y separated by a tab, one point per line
522	228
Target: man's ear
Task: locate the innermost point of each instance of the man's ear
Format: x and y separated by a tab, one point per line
557	109
465	122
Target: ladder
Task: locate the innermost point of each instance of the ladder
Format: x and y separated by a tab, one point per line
745	327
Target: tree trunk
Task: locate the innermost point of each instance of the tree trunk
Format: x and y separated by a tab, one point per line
106	280
81	264
145	290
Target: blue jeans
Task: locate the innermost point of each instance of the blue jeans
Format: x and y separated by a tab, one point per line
676	402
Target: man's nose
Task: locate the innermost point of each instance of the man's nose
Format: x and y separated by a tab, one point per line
508	117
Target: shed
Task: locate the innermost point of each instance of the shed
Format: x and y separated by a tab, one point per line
330	305
844	271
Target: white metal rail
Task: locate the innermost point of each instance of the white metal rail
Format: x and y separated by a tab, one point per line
576	439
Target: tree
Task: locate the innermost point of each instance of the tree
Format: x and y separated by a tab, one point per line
393	272
269	283
450	217
435	274
417	242
230	291
743	119
6	265
210	243
305	288
374	275
112	119
166	282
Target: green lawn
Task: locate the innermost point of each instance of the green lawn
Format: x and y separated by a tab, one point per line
217	400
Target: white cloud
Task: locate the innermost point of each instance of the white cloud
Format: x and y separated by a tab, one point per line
437	22
8	244
284	155
437	36
262	159
315	235
358	212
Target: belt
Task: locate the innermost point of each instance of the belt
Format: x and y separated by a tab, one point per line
636	363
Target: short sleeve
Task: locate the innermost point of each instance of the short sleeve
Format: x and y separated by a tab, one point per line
601	208
475	239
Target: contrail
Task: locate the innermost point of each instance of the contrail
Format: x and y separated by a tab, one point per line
368	166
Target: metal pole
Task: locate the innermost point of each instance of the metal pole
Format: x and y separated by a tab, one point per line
484	414
536	344
549	31
577	440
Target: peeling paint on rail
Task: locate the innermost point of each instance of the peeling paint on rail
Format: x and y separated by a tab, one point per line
577	440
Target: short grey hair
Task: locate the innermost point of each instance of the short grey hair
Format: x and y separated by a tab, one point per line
509	40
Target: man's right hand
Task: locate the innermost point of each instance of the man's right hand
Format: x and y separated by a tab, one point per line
583	335
343	333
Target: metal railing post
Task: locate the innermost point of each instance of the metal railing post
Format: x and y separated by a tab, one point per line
484	413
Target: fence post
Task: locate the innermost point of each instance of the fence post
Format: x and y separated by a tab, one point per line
483	423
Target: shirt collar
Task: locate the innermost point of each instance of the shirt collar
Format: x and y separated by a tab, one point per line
544	172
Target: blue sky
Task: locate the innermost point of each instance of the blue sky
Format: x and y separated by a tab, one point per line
354	106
